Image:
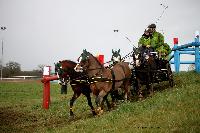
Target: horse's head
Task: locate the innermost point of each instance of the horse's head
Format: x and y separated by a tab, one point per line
143	56
83	61
87	62
137	58
58	68
116	57
65	69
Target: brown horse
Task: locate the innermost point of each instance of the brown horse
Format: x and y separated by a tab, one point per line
145	70
78	82
150	69
104	81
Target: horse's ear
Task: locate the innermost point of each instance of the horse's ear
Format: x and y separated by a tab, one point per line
112	51
118	50
85	51
78	59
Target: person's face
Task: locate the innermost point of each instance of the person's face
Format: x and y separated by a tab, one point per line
151	30
146	32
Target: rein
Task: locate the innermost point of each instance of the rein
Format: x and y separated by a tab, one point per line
103	79
123	58
91	69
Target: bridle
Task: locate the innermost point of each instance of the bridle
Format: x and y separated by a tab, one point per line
93	69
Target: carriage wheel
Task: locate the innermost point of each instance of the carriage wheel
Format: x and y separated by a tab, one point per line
170	75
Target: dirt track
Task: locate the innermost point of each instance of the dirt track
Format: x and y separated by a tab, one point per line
11	120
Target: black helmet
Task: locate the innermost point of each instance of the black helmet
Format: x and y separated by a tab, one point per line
152	26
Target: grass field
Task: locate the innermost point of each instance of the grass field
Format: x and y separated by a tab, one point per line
174	109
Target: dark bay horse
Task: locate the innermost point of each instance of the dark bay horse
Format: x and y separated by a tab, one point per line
145	70
78	82
104	80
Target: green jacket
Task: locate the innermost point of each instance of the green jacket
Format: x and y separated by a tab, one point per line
155	41
144	41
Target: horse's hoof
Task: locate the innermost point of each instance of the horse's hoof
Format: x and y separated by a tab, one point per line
71	117
98	109
100	112
151	95
140	97
113	105
94	113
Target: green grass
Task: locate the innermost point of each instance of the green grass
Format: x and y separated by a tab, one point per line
174	109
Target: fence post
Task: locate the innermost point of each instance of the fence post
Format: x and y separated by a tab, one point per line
197	55
46	88
176	56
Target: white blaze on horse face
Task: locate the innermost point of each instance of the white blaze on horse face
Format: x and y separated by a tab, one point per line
116	59
130	65
146	57
137	60
57	75
78	68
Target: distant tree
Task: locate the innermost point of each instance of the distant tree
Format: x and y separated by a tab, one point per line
31	73
40	68
12	68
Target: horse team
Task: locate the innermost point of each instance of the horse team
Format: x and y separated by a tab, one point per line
90	76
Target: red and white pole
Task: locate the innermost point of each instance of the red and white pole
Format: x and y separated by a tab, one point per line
46	89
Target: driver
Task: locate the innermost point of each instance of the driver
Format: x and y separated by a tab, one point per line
154	40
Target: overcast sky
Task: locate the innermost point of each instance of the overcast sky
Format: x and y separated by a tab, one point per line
46	31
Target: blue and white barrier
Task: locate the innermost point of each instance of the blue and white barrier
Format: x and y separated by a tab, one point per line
191	49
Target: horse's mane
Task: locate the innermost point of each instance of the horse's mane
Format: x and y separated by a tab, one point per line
95	59
69	61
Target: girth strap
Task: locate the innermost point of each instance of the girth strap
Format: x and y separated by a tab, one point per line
113	79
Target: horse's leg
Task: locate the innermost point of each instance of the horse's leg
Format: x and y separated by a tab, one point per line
139	86
107	102
150	89
99	101
114	94
127	90
90	103
135	88
72	100
150	83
